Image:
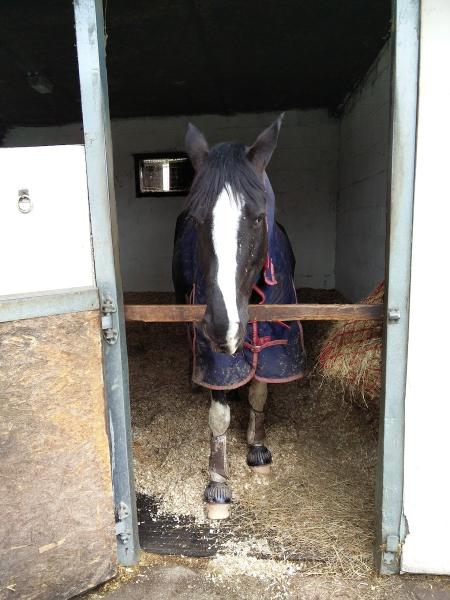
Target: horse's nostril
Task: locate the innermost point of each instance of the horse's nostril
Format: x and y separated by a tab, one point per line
215	344
220	341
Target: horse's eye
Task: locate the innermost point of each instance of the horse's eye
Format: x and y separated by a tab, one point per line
259	220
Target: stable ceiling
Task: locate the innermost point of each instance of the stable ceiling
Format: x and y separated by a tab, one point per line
176	57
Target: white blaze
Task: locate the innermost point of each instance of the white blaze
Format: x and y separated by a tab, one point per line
225	227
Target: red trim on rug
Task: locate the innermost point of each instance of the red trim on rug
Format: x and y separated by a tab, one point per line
283	324
268	266
257	348
233	386
259	291
283	380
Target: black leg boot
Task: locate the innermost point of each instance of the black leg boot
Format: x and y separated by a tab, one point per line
259	458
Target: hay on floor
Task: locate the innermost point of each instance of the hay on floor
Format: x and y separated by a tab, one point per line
317	507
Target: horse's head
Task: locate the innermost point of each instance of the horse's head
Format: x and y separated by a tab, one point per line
228	202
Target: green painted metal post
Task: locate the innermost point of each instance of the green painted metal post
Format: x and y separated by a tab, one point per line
390	522
97	134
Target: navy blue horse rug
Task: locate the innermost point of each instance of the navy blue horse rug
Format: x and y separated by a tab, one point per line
273	352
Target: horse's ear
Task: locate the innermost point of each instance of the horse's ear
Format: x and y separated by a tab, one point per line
196	146
261	152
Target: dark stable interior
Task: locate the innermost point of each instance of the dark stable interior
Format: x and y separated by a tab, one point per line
189	56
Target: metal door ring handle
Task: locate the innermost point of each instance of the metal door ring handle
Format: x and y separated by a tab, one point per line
24	203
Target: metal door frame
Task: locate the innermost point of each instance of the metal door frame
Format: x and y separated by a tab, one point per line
97	132
391	525
90	38
45	304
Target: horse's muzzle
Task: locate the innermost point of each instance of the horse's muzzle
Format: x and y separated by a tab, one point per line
221	345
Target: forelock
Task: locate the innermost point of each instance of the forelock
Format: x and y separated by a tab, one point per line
226	165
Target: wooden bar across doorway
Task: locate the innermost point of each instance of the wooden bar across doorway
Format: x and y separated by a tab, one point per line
176	313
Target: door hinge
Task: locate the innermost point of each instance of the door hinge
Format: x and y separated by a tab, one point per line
123	530
110	333
393	315
392	550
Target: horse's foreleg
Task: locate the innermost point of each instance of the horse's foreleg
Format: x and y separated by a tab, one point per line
217	494
259	458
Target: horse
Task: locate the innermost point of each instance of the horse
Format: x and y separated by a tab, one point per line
230	252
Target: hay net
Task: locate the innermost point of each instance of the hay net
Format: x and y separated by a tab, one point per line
351	355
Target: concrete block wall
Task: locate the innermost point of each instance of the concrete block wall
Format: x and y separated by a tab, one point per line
303	172
330	178
364	162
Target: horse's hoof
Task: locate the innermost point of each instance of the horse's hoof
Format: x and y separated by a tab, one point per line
259	459
215	512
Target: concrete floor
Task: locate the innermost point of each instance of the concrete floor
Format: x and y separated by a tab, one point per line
177	578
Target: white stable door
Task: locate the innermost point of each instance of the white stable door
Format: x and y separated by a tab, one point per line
45	238
427	419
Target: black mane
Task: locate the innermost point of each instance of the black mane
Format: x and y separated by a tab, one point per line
226	163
